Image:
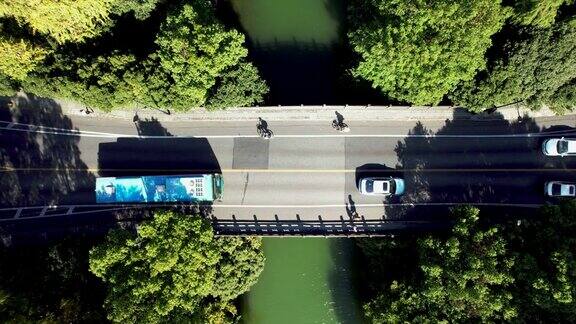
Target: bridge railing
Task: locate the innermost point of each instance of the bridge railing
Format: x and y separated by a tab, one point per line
319	228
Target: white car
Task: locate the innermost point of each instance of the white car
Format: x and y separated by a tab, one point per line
560	189
559	146
381	186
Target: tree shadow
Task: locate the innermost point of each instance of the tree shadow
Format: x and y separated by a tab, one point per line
48	168
51	282
344	280
476	169
150	127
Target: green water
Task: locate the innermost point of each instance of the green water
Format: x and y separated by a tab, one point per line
268	21
296	46
305	280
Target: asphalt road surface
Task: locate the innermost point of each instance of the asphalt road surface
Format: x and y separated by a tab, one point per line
307	171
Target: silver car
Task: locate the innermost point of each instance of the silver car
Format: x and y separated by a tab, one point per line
559	146
560	189
381	186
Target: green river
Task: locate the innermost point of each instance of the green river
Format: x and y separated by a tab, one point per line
296	45
305	280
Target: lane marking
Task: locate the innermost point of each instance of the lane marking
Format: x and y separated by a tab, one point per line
78	133
112	207
194	171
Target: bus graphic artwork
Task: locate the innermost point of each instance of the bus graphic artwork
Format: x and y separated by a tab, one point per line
159	189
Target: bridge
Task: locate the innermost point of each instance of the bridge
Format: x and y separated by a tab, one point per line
302	182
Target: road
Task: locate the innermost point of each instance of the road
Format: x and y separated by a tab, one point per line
308	171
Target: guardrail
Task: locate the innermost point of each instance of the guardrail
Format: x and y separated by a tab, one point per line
322	228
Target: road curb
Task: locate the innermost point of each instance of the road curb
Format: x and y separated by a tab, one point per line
314	113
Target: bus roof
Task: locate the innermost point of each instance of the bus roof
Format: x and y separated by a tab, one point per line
184	188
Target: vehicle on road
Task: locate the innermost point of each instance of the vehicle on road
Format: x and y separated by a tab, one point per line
265	133
381	186
560	189
559	146
196	188
340	126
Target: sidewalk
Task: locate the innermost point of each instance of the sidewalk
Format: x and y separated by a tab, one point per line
314	113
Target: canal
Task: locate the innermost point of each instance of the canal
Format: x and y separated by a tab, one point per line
305	280
300	48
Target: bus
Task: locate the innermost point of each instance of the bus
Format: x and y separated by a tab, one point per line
196	188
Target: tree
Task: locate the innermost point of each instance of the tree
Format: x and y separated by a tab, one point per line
62	20
240	86
141	8
534	70
100	82
545	248
418	51
19	57
463	277
541	13
194	50
174	269
49	284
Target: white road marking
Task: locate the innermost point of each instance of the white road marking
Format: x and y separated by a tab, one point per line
219	205
73	132
112	207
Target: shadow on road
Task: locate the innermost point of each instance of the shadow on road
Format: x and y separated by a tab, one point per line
48	167
374	170
479	169
156	156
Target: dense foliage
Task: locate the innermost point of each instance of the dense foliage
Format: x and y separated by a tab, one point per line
61	20
541	13
484	273
545	270
418	51
49	285
239	86
193	57
540	69
462	277
175	270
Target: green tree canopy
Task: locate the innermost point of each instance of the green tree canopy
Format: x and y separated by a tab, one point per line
49	284
418	51
462	277
541	13
174	269
194	50
545	248
197	62
103	82
240	86
140	8
19	57
62	20
537	70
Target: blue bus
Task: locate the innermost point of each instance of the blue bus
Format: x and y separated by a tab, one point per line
198	188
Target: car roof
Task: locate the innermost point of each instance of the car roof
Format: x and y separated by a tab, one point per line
382	185
572	145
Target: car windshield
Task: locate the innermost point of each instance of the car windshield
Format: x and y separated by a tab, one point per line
562	147
571	190
556	189
370	186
